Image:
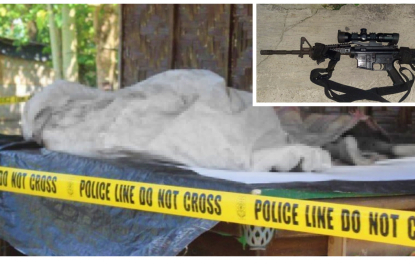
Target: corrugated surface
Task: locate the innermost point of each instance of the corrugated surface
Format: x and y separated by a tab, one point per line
157	38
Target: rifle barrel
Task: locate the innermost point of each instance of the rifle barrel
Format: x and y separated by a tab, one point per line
275	52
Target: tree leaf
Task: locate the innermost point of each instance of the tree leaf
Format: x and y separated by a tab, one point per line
3	11
41	19
242	240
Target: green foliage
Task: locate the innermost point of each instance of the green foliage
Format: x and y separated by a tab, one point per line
15	20
242	240
86	44
333	6
30	22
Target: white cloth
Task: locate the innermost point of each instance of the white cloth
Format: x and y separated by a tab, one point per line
184	116
386	170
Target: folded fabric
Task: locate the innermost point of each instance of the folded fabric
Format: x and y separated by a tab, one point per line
318	129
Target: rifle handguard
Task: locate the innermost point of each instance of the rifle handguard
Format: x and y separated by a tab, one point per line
267	52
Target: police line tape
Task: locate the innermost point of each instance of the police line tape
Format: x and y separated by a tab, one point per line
373	224
13	99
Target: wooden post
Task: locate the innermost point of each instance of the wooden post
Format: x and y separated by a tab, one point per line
337	246
240	47
55	43
69	44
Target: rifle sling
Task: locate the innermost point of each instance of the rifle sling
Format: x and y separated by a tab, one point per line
352	94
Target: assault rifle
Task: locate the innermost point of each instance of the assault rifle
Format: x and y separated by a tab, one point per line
367	55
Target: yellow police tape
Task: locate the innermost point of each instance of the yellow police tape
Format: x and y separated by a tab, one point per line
373	224
13	99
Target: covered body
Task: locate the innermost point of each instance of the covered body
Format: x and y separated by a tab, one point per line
182	116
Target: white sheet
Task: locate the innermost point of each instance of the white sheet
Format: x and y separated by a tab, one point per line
387	170
183	116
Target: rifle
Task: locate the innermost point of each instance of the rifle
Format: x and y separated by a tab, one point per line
367	55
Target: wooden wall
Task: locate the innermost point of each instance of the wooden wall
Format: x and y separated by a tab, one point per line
7	250
157	37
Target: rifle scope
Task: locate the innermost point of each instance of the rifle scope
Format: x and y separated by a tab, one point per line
343	37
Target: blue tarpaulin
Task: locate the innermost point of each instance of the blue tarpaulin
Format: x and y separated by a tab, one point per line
43	226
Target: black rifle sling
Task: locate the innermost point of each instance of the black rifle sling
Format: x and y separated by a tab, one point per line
353	94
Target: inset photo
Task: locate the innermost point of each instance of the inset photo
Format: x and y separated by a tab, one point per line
335	53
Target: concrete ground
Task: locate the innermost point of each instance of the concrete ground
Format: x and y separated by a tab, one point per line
285	78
